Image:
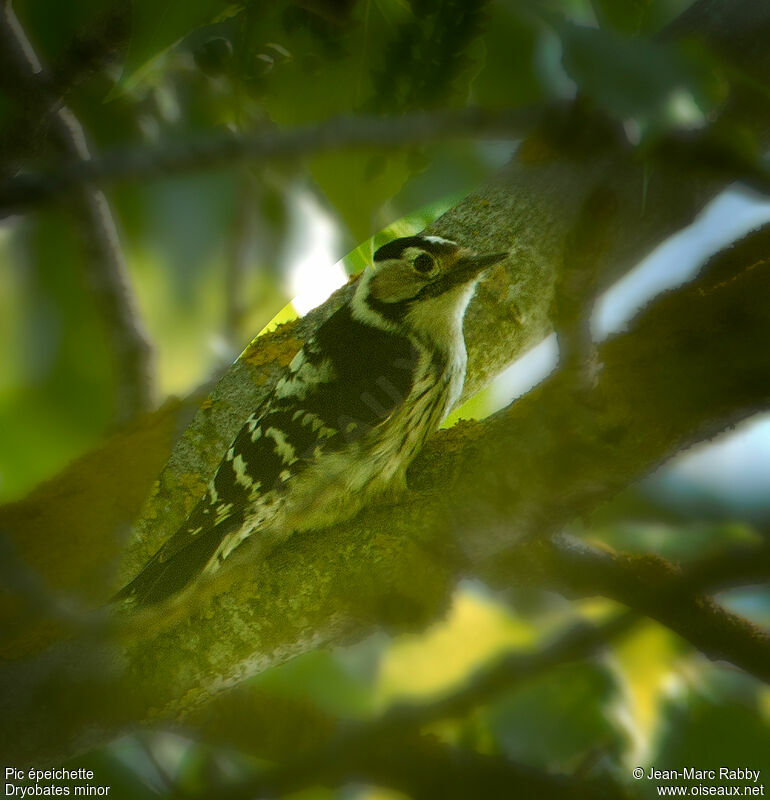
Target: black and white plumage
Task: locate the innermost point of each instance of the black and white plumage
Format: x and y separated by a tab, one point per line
343	424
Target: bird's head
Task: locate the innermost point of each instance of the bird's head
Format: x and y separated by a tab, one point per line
423	284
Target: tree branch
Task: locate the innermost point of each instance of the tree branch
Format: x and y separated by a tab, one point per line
308	741
652	586
341	133
424	768
106	270
90	50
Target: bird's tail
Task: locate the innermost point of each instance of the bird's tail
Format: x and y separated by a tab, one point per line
175	565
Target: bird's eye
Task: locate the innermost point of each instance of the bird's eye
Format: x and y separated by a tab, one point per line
424	263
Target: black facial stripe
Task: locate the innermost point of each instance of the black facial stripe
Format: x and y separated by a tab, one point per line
393	312
451	279
433	289
395	248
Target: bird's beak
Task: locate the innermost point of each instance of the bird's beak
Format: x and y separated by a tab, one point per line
470	266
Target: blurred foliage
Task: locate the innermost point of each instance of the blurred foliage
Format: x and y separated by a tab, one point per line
210	256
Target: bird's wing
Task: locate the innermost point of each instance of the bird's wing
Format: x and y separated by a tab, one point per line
346	381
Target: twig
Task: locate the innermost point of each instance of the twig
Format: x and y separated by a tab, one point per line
575	287
424	768
355	748
741	566
89	50
106	269
268	144
650	585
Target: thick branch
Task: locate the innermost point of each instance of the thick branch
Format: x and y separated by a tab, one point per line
106	269
306	740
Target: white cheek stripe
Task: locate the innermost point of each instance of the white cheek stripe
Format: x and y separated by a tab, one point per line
438	240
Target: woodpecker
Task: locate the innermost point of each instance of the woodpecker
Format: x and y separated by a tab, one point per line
343	424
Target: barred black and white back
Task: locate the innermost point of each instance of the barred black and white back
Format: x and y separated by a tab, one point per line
344	423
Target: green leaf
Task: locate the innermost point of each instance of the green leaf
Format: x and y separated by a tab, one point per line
719	720
328	74
647	659
630	77
509	76
383	60
318	677
557	720
156	25
625	17
637	16
355	191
